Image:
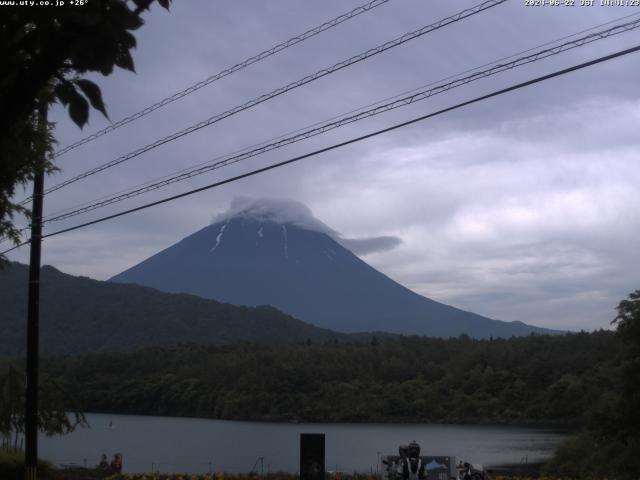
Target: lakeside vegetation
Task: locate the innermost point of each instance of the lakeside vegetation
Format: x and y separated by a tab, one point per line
536	379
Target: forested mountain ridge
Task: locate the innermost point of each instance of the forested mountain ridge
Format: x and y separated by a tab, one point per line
78	314
535	379
277	253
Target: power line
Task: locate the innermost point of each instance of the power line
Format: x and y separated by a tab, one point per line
335	117
347	142
279	91
402	102
205	166
25	228
226	72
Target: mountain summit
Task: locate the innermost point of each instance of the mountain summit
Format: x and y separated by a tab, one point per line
276	253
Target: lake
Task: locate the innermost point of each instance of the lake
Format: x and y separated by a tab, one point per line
170	444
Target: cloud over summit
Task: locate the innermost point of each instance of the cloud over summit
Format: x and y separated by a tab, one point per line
280	210
276	210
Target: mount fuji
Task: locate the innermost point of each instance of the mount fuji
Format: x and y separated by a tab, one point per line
274	252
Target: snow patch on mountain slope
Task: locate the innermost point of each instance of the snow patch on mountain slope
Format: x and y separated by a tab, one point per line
286	241
219	237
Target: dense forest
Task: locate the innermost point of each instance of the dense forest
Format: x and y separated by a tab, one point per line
535	379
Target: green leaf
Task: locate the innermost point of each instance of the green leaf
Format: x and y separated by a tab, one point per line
124	60
92	92
63	91
79	109
143	4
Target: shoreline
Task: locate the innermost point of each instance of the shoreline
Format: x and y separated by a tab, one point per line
564	428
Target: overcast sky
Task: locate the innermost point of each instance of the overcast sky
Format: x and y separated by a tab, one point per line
524	207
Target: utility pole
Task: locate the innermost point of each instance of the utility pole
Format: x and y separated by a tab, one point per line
33	317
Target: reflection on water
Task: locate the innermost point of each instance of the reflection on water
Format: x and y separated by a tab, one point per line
169	444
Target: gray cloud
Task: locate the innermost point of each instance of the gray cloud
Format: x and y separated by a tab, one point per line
366	246
282	210
278	210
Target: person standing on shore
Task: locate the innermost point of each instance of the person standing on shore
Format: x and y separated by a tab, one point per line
116	464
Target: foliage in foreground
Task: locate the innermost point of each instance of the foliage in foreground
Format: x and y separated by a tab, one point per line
49	473
609	443
12	466
288	476
588	454
44	53
57	412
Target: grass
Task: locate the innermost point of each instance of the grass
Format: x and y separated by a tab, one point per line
12	467
283	476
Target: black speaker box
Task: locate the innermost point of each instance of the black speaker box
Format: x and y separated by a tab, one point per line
312	456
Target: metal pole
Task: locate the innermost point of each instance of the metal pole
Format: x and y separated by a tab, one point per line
31	394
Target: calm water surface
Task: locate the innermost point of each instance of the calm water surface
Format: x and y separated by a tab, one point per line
169	444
